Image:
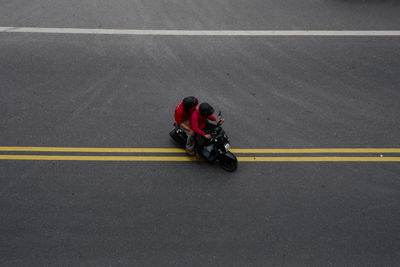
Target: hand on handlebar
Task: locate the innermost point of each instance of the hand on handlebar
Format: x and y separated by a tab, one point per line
207	136
220	121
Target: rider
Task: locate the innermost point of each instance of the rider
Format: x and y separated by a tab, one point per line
182	115
198	123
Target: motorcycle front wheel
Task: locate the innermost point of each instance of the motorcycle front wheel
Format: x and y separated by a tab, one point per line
228	162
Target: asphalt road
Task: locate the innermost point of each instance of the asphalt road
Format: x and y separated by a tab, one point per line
204	14
275	92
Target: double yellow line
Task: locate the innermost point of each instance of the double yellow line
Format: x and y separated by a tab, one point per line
382	154
180	150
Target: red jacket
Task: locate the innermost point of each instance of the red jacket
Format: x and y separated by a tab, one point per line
198	122
181	114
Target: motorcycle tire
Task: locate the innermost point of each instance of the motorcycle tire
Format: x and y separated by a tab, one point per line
177	138
228	162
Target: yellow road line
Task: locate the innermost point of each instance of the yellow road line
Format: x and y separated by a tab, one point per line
180	150
319	159
186	158
92	149
96	158
314	150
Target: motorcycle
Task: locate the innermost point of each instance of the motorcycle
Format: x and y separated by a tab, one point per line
216	149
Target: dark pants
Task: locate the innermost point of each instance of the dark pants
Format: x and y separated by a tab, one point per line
200	141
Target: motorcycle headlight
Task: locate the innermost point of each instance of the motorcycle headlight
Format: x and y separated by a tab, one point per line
227	147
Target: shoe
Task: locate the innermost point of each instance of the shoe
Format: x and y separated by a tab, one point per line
190	152
198	156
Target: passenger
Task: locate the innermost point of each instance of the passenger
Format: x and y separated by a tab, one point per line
183	113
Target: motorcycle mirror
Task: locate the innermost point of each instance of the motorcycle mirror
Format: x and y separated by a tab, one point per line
219	113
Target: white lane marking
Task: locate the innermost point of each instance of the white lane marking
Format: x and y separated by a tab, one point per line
195	32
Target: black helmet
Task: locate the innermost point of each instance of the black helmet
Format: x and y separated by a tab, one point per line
189	102
206	109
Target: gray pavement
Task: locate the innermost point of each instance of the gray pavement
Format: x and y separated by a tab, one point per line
113	91
204	14
275	92
145	214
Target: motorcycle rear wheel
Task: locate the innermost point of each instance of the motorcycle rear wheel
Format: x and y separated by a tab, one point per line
177	137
